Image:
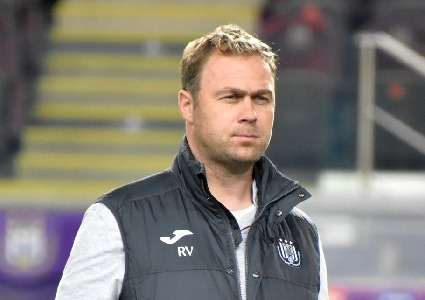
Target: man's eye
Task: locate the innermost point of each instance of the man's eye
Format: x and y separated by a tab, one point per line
262	99
230	97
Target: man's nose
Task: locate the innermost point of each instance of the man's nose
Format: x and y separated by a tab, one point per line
248	110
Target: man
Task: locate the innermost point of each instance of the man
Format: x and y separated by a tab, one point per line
221	223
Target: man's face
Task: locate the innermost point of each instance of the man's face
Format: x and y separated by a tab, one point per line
232	117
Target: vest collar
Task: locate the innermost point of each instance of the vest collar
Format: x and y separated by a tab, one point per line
272	185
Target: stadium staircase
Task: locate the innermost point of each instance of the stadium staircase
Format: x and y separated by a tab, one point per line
107	111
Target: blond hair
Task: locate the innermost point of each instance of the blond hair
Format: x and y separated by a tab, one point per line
227	40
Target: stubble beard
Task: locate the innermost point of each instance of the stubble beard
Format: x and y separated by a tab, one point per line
229	156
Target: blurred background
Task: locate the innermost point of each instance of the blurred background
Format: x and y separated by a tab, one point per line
88	102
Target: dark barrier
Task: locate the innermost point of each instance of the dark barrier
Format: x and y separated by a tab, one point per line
23	41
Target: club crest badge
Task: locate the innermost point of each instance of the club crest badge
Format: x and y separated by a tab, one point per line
25	244
288	253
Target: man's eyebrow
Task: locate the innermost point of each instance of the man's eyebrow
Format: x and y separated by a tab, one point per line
243	92
263	92
226	90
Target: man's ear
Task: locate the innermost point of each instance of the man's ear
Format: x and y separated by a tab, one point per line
186	105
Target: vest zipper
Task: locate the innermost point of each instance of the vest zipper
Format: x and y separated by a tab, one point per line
246	265
238	275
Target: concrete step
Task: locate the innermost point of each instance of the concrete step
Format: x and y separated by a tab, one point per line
79	138
137	113
53	192
172	2
109	85
167	11
93	164
113	63
82	98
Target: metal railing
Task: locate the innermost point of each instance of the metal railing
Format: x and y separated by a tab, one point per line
368	112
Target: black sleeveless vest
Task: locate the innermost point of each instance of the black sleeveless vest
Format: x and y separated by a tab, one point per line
180	242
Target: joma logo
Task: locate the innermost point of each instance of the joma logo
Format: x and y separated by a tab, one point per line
178	234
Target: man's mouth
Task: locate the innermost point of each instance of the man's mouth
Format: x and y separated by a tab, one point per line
246	135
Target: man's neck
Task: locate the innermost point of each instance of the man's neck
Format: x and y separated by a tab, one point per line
232	189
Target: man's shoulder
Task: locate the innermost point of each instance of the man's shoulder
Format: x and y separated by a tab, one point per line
299	213
141	189
303	218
